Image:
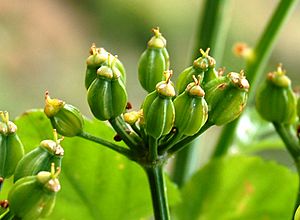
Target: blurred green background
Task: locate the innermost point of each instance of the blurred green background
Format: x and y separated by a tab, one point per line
44	44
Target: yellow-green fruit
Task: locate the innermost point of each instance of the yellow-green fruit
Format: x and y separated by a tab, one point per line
158	110
11	148
203	68
275	99
153	62
190	110
40	159
107	96
226	97
33	197
99	57
65	118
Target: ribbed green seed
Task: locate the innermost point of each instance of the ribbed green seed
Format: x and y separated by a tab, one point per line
98	58
226	97
11	148
40	159
203	68
65	118
275	100
33	197
190	110
153	62
107	95
158	109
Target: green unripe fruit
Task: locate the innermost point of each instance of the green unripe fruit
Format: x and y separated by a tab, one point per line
65	118
107	95
275	99
158	109
153	62
33	197
203	68
11	148
211	73
226	97
99	57
190	110
40	159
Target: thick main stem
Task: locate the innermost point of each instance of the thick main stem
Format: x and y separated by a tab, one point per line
255	66
158	192
185	163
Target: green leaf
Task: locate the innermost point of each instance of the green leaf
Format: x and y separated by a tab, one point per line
97	183
239	188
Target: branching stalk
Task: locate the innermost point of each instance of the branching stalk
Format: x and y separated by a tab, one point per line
119	128
185	141
126	152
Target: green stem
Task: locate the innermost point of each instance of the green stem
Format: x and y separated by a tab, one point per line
153	154
256	65
137	130
112	146
185	163
123	132
212	32
169	143
185	141
265	45
214	25
8	216
158	192
225	140
291	142
289	138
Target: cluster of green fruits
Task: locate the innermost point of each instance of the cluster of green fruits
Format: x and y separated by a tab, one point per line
166	119
35	179
205	96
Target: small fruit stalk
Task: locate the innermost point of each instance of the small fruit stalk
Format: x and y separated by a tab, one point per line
107	96
153	62
226	97
275	99
65	118
11	148
97	58
203	68
33	197
40	158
